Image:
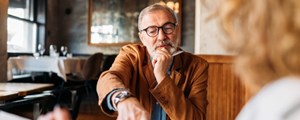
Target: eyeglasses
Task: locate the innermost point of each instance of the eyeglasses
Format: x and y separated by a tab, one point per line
153	31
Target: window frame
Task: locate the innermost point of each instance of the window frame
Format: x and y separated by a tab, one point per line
38	19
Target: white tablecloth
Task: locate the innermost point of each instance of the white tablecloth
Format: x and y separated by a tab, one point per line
59	65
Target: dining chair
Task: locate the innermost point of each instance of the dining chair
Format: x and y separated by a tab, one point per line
90	73
86	80
92	67
108	62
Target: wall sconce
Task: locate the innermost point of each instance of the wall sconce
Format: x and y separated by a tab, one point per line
174	5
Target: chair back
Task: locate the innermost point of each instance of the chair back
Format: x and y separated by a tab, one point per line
109	60
92	67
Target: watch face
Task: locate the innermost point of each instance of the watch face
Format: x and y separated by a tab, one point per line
122	96
123	93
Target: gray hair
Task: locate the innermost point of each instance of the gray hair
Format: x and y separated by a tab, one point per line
155	7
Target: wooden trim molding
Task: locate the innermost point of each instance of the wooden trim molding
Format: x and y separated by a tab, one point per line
218	58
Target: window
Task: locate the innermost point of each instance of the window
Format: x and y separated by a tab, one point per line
22	26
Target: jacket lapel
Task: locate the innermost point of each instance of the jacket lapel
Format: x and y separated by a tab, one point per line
177	69
148	70
149	78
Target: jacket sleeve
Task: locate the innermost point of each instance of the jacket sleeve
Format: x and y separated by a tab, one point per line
189	104
116	77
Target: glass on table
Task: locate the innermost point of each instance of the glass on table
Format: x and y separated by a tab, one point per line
64	50
52	50
36	55
69	55
41	49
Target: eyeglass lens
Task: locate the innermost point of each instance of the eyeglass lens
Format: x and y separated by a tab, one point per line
167	28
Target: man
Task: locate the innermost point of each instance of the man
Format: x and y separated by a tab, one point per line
150	81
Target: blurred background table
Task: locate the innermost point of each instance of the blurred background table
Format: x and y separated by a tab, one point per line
22	89
16	95
59	65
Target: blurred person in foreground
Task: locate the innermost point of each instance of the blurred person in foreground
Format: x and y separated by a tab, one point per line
265	34
58	113
149	81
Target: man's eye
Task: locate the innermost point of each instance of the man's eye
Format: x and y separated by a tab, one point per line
151	30
168	26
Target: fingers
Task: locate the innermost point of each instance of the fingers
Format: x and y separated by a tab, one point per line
163	52
161	55
154	60
161	62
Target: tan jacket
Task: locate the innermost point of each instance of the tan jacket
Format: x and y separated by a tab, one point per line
182	95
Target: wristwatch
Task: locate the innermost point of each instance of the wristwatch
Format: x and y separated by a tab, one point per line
122	96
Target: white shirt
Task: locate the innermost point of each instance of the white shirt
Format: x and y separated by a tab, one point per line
279	100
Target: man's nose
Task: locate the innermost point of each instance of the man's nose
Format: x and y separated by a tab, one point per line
161	35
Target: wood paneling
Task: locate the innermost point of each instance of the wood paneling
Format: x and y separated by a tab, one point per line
226	93
3	40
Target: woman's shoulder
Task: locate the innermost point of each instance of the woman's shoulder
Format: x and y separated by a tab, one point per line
273	101
284	87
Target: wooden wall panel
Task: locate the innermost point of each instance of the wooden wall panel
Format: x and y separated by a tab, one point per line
226	93
3	40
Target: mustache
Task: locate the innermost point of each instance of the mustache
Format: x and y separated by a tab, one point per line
163	43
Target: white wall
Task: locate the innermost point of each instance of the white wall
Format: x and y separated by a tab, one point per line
207	33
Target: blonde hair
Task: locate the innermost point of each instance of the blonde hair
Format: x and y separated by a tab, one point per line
265	34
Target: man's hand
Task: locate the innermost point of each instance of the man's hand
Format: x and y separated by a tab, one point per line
131	109
161	62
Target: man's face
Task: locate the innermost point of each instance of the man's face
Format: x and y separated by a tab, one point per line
159	18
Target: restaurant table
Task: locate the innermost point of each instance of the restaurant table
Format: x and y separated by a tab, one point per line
14	95
59	65
10	90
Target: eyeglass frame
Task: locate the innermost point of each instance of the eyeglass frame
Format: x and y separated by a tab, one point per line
162	27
